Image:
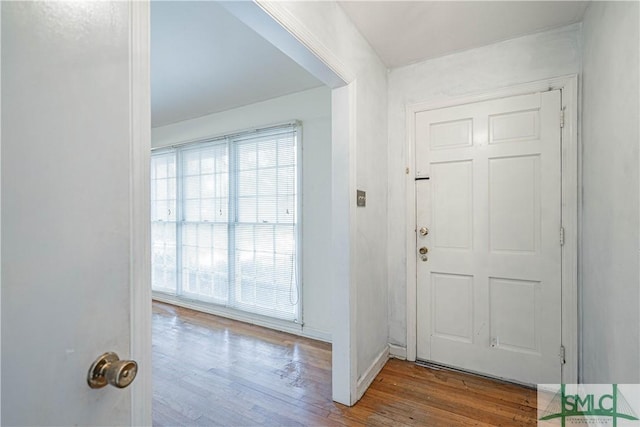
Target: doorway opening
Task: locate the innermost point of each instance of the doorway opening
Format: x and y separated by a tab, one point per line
268	89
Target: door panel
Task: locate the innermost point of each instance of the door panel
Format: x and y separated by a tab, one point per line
453	306
66	229
514	204
452	208
513	314
488	297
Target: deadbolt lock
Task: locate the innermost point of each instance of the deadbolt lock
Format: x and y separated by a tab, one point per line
424	231
109	369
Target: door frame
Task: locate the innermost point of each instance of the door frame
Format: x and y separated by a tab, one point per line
0	214
272	21
140	209
571	180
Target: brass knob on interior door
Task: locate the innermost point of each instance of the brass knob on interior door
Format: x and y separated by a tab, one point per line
109	369
423	250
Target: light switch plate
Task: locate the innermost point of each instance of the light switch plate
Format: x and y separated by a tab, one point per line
361	199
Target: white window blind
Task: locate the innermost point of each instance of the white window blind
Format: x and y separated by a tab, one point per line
163	222
225	230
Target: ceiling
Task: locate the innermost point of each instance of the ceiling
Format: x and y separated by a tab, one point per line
404	32
204	60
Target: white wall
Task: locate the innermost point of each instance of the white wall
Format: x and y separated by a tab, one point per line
328	24
610	229
313	109
517	61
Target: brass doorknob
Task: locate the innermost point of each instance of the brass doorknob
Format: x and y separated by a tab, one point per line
109	369
423	250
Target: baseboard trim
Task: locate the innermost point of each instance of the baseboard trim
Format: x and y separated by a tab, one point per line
314	334
278	325
397	352
372	371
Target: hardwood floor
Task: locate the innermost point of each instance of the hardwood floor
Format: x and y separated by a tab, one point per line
213	371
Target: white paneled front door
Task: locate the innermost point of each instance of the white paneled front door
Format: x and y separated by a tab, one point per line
489	287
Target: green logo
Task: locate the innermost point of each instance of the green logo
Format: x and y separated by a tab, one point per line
582	405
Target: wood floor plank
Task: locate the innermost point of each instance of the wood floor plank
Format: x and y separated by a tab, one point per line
458	401
213	371
471	383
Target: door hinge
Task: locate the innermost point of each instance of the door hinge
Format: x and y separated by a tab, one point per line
562	355
561	236
562	118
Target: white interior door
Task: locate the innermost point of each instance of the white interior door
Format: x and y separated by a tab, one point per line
489	288
67	220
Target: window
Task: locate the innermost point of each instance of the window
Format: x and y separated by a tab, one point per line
225	221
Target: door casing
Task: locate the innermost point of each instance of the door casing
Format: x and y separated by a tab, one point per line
570	203
140	263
